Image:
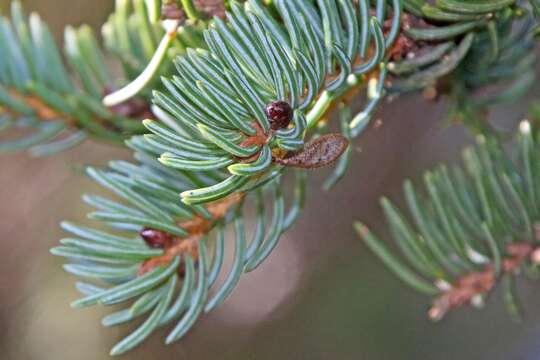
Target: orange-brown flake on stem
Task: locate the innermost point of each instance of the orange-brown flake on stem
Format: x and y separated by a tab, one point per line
519	253
181	246
403	44
463	292
42	110
467	288
259	139
219	209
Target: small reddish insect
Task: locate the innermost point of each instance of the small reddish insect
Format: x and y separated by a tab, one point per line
279	113
317	153
156	239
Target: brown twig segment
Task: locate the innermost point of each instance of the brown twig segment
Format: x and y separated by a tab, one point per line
196	227
41	109
475	284
403	45
135	108
259	139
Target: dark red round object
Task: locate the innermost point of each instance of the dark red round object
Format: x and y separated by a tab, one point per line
279	113
156	239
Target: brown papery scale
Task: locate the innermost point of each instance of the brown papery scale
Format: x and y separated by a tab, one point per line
171	11
317	153
211	7
156	239
279	113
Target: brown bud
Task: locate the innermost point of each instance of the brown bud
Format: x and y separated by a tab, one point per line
156	239
279	113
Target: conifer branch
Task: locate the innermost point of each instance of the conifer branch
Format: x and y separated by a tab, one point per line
473	229
256	60
245	97
37	85
158	241
494	64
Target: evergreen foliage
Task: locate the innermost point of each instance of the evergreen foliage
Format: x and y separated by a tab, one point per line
57	99
473	228
218	110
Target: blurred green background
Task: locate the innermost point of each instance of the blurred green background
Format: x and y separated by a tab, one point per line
321	294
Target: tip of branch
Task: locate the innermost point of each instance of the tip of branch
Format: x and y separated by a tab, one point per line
361	229
525	126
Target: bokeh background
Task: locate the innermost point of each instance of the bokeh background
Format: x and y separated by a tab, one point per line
320	295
